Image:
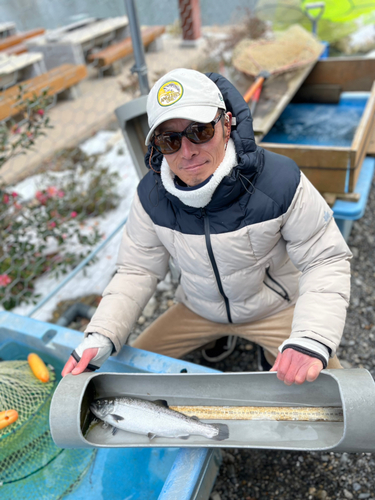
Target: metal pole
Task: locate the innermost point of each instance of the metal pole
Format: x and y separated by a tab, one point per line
139	54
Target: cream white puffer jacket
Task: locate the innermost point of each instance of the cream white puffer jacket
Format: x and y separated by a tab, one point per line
299	256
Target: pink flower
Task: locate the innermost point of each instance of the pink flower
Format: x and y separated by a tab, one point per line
41	197
52	191
15	129
4	280
73	215
14	194
40	112
6	198
60	193
52	224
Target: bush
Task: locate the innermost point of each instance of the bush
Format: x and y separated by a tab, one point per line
37	238
17	137
47	234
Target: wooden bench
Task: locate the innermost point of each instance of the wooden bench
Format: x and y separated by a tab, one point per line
9	41
106	57
15	50
55	81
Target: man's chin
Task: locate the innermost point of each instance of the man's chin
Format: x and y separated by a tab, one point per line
194	182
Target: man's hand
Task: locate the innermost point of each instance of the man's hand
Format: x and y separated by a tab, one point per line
96	348
75	367
294	367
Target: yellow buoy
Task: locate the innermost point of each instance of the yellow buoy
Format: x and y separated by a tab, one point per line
38	367
7	417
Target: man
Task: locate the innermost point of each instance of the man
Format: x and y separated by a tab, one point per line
259	252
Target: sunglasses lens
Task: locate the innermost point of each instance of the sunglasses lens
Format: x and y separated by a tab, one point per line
167	143
198	133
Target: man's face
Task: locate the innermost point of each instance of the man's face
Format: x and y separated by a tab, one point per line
194	163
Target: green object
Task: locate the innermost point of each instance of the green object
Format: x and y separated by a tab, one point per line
340	11
283	14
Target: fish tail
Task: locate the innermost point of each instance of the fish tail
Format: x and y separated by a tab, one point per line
223	432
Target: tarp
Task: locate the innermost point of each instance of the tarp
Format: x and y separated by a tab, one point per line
338	20
342	10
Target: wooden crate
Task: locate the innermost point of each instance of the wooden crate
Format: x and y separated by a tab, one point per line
327	167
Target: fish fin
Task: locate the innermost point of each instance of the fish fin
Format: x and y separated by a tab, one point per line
184	437
117	418
223	432
114	430
161	402
195	418
151	436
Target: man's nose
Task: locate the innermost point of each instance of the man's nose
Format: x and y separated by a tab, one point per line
188	149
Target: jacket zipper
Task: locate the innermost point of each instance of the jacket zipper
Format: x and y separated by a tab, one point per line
213	262
285	294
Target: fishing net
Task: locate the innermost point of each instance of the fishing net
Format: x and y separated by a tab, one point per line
291	49
29	459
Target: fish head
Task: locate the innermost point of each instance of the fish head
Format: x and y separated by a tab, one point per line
102	407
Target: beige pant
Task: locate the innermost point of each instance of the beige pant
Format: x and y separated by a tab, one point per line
179	331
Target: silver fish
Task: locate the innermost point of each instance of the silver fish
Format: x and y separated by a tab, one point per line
153	419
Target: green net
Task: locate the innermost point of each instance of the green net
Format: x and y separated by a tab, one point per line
29	460
26	445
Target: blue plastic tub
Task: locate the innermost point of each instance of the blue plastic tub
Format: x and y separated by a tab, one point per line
111	474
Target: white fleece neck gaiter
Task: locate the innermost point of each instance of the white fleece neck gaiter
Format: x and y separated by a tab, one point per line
199	198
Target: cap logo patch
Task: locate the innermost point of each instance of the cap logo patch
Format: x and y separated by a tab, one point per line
169	93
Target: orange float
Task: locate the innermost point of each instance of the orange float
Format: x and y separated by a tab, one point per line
38	367
7	417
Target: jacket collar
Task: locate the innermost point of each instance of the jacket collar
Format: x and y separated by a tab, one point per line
199	198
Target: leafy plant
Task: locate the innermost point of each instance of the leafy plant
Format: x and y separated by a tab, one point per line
17	137
35	239
89	188
48	233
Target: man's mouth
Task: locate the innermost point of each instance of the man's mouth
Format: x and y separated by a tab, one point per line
193	167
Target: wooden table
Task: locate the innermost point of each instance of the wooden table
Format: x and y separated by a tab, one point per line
17	68
73	46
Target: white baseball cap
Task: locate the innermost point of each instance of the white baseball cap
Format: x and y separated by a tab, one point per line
183	93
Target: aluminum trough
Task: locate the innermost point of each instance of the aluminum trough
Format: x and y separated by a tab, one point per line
352	390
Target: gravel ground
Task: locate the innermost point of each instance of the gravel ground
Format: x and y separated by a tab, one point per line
284	475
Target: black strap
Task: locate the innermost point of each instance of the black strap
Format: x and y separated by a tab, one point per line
78	359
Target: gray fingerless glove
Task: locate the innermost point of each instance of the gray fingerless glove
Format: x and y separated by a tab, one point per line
104	345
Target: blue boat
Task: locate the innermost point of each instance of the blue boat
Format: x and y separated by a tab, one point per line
101	474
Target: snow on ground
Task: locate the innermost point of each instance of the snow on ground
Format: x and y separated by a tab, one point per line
113	154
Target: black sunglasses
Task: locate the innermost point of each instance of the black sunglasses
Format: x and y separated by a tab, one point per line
197	133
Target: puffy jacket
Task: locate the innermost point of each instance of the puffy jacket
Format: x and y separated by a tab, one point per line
266	240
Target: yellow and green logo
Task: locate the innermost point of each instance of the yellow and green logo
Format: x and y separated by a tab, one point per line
169	93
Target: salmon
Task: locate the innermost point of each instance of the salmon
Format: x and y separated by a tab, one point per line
153	419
